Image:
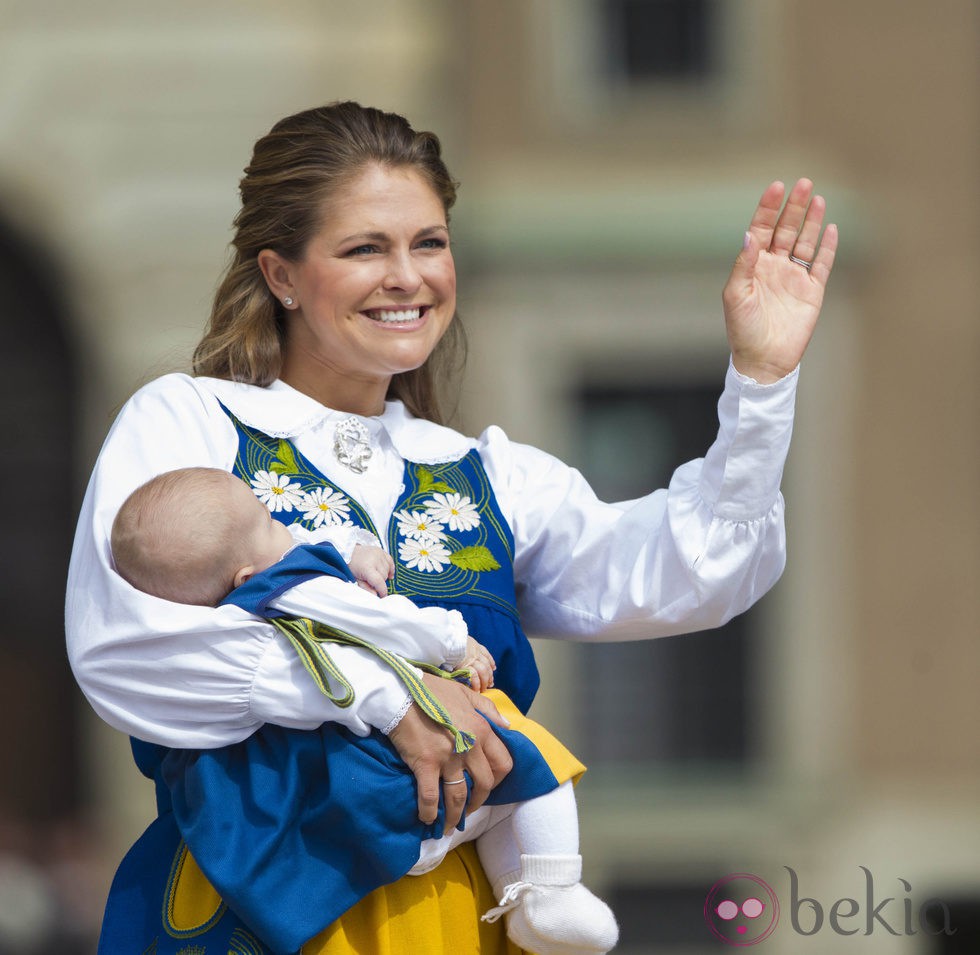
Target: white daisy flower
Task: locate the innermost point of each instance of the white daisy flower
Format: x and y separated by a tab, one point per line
418	525
455	510
425	554
276	491
323	506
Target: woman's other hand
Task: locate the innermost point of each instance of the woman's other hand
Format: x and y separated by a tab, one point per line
427	749
771	301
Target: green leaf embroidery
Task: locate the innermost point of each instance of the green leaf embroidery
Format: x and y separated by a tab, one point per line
286	463
474	558
428	482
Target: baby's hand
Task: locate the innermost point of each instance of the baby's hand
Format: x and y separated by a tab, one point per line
372	567
480	663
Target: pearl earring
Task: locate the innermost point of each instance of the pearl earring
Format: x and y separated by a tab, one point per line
287	301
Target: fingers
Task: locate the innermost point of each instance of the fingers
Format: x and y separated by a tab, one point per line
766	215
496	754
427	781
792	217
435	776
805	246
790	229
824	260
743	268
481	664
454	792
489	709
374	583
376	574
487	765
481	668
481	776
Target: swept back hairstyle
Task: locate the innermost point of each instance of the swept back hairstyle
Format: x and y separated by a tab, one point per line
295	169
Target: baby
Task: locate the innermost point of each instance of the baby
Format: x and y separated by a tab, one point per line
201	536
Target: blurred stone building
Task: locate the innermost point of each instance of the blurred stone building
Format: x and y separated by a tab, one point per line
610	154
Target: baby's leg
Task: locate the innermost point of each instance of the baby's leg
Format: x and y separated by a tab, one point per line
531	857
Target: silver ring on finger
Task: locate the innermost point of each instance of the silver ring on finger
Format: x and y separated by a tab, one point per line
803	262
454	782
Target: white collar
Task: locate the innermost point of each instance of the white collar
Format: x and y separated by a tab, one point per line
281	411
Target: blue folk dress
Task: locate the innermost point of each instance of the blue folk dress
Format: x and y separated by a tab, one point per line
261	845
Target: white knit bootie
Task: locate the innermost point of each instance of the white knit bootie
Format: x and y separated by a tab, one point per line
550	912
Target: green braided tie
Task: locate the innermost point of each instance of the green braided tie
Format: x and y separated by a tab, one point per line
308	638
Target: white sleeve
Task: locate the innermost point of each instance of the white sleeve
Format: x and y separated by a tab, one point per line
679	560
427	634
178	675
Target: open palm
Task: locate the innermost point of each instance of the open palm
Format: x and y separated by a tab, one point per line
771	301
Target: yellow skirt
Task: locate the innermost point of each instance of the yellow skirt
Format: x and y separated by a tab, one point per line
431	913
435	913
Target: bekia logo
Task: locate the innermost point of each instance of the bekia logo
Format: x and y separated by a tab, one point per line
742	909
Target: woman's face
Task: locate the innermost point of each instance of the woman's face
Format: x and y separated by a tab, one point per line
375	289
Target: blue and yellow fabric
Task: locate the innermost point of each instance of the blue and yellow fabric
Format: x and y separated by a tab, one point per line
299	841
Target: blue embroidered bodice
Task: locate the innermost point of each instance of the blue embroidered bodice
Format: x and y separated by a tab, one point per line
451	545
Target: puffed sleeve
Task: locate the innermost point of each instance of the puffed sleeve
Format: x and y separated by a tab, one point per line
178	675
686	558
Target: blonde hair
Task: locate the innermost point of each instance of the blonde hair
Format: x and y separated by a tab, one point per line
177	537
299	165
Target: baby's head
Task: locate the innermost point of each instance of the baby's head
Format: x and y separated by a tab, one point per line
193	535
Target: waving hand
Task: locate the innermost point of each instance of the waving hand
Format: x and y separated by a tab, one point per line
773	296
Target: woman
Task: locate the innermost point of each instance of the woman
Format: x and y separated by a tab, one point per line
316	383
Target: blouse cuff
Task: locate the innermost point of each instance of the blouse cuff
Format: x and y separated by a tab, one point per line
744	467
397	718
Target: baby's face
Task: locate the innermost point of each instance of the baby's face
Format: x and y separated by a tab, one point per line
266	540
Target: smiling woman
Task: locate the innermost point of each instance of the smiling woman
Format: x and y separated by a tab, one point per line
289	821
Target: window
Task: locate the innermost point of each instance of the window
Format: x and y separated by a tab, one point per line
682	701
666	40
662	71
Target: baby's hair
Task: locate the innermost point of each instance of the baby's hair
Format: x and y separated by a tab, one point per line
177	537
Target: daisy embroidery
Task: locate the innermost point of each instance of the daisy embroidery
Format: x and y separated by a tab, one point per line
276	491
418	525
322	507
425	554
455	510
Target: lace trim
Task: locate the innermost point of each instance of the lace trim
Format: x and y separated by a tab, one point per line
397	718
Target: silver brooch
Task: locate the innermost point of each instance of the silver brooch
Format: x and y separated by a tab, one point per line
352	444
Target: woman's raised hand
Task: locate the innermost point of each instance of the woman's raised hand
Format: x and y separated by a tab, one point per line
772	300
427	749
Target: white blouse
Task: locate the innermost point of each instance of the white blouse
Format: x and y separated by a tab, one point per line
682	559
